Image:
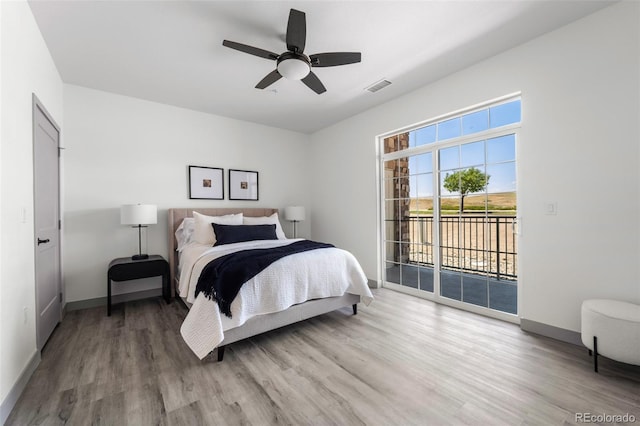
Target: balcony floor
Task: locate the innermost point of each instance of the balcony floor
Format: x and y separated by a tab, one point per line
500	295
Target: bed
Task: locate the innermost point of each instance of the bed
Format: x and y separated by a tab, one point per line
315	289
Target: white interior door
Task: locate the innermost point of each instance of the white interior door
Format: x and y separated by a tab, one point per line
47	229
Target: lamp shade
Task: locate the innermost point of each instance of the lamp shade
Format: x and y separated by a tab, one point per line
138	214
294	213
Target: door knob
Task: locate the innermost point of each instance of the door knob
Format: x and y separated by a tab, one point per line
43	241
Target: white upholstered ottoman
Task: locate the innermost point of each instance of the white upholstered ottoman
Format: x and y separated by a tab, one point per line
611	328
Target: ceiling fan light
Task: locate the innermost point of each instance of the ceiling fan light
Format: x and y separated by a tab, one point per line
293	69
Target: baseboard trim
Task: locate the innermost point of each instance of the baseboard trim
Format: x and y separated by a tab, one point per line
546	330
117	298
17	389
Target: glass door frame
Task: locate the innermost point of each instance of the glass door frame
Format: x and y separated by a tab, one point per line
435	148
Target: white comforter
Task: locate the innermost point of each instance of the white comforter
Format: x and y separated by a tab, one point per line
291	280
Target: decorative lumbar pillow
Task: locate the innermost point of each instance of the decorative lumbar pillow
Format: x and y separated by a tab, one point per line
203	232
229	234
266	220
184	233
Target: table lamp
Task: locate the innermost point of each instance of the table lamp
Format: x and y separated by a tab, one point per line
139	215
294	214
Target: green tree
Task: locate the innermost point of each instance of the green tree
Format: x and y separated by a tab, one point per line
466	182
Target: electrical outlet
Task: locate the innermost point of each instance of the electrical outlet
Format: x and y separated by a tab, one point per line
25	314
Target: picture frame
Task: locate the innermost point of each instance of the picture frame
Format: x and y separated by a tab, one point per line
243	185
206	183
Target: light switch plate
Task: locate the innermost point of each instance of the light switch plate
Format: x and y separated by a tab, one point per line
551	208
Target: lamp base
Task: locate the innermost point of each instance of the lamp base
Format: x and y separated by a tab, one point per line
139	256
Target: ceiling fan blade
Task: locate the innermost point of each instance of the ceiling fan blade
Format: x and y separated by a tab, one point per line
313	82
296	31
271	78
334	59
250	50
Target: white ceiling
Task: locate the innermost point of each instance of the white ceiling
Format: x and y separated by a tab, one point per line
171	51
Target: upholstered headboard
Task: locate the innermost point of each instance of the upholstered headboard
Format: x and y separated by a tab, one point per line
175	217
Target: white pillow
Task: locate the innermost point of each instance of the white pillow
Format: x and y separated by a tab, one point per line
203	232
266	220
184	233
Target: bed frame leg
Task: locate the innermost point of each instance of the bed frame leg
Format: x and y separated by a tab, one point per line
355	309
220	353
595	354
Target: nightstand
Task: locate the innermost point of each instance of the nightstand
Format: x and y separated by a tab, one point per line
125	269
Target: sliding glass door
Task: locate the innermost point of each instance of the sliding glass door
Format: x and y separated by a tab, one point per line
477	215
449	191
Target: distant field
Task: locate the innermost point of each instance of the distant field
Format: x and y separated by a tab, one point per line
505	202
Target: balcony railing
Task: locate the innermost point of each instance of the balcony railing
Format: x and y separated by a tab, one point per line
480	244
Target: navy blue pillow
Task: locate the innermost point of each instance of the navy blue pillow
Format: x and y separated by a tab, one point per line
228	234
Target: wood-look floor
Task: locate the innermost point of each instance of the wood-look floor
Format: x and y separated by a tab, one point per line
400	361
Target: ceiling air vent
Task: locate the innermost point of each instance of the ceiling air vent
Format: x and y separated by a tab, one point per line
378	85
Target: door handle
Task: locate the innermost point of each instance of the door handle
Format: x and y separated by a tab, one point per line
43	241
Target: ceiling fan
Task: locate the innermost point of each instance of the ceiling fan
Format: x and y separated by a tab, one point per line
294	64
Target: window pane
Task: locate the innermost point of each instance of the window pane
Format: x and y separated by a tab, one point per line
502	177
503	296
475	122
474	290
391	144
426	277
388	188
450	158
449	129
424	185
403	141
502	202
449	188
414	256
402	166
450	285
392	230
425	135
392	273
422	205
472	154
413	186
391	251
420	163
409	276
396	143
504	114
501	149
400	188
391	212
463	181
390	168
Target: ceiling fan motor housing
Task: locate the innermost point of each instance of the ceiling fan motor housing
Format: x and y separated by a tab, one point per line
293	66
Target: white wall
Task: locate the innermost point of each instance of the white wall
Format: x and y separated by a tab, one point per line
578	146
26	68
121	150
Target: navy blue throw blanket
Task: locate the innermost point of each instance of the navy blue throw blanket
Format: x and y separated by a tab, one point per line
223	277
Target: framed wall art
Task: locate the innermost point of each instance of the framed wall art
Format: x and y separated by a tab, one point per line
243	185
206	183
